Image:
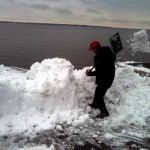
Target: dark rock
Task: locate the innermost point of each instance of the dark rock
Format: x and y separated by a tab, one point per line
89	146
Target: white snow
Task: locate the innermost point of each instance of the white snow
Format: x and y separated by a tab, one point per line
140	42
52	147
95	136
38	99
108	136
38	148
82	119
59	128
53	93
51	81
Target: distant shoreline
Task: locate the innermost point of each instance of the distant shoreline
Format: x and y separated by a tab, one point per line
74	25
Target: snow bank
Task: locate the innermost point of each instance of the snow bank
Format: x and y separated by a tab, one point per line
129	98
53	83
140	42
38	99
52	93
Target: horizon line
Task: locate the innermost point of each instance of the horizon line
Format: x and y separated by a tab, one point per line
42	23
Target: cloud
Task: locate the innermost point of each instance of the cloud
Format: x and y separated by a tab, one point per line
94	11
40	6
124	22
11	1
53	0
63	11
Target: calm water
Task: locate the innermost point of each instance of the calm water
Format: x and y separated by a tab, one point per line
22	45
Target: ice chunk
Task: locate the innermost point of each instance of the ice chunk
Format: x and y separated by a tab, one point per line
140	42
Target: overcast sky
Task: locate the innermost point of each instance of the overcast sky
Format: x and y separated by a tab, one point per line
114	13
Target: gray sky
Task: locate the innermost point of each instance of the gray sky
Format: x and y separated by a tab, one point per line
114	13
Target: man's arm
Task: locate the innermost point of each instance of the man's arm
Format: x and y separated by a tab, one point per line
91	73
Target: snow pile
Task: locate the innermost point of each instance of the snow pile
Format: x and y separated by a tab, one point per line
140	42
128	98
12	85
51	93
53	83
85	86
39	99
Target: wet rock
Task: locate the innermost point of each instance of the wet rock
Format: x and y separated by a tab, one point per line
5	137
136	146
18	139
62	136
89	146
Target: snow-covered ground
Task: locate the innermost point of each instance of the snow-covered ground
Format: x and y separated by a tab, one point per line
52	97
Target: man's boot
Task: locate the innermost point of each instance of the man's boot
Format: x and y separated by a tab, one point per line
104	113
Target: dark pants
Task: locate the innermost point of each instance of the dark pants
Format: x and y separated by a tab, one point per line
98	101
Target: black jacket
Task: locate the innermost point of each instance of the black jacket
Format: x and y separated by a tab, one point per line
104	63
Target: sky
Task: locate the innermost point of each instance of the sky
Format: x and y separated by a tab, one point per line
113	13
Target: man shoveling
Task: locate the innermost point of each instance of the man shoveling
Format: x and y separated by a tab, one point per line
104	63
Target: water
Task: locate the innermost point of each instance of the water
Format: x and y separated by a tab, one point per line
22	44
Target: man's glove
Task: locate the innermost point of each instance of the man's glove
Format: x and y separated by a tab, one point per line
88	72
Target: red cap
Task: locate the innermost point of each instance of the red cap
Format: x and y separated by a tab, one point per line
94	44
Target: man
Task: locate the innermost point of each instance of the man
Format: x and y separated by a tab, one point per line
104	63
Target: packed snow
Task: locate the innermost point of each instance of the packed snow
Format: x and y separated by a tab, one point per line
52	93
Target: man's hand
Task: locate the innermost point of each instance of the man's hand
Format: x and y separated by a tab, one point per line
87	72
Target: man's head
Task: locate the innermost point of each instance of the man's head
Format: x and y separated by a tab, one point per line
94	46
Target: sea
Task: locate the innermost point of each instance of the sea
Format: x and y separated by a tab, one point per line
22	44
